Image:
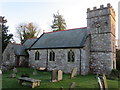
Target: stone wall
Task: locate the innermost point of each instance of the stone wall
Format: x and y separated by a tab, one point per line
61	60
8	57
101	62
85	57
101	42
23	61
37	63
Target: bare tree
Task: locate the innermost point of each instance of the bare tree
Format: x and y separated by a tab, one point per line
27	30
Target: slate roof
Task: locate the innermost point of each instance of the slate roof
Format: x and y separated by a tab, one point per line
29	42
20	50
62	39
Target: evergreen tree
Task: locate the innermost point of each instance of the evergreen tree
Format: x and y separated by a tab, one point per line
58	22
5	36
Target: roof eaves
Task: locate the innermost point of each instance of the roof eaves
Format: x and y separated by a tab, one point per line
57	47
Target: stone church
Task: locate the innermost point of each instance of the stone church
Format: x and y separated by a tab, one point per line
90	49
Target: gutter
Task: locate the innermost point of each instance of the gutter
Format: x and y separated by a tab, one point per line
80	61
47	60
56	47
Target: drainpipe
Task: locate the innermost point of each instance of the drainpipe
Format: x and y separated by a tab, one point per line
80	61
47	60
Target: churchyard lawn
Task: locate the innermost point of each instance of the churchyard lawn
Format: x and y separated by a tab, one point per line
88	81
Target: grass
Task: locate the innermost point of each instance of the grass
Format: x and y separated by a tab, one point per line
87	81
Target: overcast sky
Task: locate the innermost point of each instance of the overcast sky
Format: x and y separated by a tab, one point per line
41	12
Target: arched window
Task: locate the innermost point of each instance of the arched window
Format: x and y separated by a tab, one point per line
52	56
113	64
71	56
37	54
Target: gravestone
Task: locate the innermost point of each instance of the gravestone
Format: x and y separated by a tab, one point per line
105	82
0	72
14	70
72	85
73	73
53	78
34	72
13	75
100	84
60	72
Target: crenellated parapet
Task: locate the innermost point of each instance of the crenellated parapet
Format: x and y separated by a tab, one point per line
101	11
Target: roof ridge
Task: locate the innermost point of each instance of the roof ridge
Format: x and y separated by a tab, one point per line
65	30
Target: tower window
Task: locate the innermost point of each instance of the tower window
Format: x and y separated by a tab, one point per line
113	64
37	55
52	56
71	56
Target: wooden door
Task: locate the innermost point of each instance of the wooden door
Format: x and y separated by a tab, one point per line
17	60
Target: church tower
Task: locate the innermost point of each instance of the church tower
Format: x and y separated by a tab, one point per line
101	29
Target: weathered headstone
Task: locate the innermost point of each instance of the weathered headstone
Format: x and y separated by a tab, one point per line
13	75
53	78
34	72
14	70
72	85
0	72
105	82
60	72
73	73
100	84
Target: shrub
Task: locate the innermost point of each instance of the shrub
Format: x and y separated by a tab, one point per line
118	59
115	74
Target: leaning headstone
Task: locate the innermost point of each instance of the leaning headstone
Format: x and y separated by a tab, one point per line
60	73
105	82
73	73
100	84
53	78
72	85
